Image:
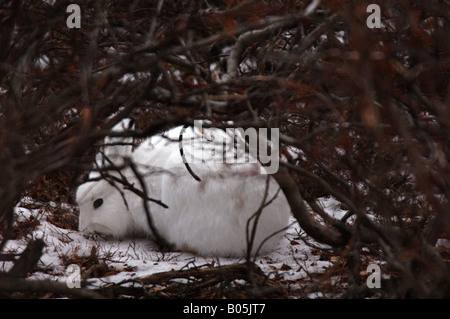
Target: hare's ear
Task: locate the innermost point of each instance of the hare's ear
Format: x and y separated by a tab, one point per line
115	149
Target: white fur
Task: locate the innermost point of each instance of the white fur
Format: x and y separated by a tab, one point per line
207	217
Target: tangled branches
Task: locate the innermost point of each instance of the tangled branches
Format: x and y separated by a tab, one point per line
362	112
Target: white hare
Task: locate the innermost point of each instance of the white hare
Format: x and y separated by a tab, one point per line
212	216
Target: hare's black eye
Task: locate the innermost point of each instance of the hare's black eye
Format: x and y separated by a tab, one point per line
97	203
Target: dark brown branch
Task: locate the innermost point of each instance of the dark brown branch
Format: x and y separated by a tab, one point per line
45	286
27	260
321	233
233	271
246	39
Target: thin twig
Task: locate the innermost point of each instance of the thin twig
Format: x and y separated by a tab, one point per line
159	239
186	164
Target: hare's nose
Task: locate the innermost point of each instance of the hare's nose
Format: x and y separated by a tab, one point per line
96	228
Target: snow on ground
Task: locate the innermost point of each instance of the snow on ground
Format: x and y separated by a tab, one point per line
134	258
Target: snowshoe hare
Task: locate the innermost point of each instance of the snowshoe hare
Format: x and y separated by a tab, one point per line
212	215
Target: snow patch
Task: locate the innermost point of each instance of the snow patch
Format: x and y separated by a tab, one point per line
293	259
